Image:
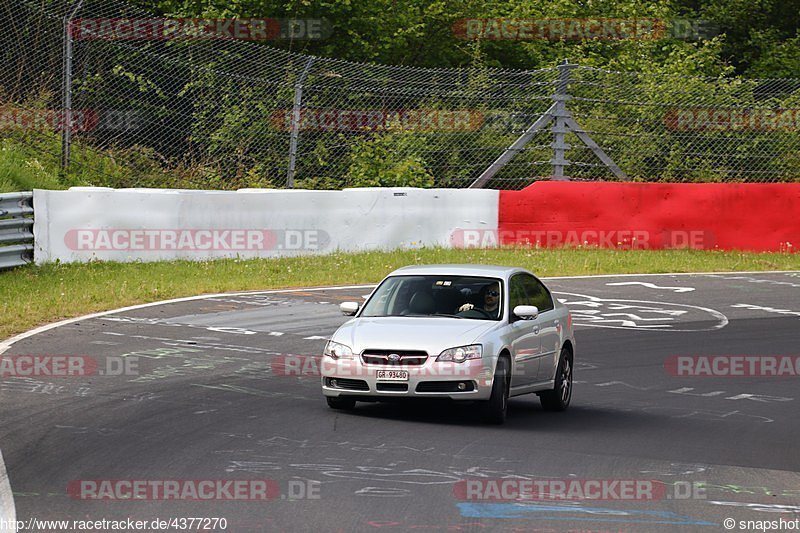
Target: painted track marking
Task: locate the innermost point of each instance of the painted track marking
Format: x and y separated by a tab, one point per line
5	345
8	511
651	286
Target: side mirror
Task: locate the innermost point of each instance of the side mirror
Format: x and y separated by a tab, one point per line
349	308
526	312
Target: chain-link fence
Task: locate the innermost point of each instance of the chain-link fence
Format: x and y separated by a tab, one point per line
198	99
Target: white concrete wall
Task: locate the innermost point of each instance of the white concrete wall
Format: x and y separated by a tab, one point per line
83	223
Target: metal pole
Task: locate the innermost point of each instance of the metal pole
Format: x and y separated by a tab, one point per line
563	123
66	134
560	127
298	100
513	150
593	146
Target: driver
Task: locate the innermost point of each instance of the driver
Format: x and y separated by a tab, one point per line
491	300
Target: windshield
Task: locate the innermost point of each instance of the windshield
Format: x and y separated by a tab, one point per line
451	296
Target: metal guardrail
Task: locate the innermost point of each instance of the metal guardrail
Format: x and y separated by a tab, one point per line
16	229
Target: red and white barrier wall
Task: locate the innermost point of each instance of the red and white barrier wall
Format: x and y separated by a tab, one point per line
82	224
724	216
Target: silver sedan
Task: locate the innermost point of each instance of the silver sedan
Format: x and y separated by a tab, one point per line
463	332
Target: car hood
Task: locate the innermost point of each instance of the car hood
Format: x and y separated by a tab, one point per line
432	334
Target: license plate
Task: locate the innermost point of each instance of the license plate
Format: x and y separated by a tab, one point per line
392	375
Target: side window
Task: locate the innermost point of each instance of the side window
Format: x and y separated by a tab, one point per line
516	293
537	293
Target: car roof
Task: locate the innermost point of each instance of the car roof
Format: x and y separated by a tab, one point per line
494	271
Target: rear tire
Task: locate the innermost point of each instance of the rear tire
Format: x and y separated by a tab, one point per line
344	404
558	399
496	408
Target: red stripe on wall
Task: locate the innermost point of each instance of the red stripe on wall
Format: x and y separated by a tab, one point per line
756	217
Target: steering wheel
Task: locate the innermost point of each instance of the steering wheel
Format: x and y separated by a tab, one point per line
479	312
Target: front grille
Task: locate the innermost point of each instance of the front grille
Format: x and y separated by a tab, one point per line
349	384
407	357
392	387
445	386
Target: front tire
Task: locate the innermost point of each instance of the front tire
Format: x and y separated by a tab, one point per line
343	404
559	398
496	408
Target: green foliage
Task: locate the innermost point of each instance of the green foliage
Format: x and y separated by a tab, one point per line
754	30
23	170
419	32
388	160
31	161
781	59
210	118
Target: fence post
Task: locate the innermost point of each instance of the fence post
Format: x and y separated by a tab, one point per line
298	100
560	113
66	134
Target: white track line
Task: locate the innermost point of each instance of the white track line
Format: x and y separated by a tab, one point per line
5	345
7	508
8	511
675	274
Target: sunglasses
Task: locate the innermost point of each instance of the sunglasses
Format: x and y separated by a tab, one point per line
492	293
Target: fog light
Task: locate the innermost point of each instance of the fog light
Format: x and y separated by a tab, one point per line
462	386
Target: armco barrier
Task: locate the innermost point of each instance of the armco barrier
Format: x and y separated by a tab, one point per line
82	224
16	237
755	217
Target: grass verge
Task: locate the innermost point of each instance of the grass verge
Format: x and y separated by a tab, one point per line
31	296
32	160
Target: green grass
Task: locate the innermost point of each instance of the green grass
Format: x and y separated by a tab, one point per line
32	160
31	296
21	170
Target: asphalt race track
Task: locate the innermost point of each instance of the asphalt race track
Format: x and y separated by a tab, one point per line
211	398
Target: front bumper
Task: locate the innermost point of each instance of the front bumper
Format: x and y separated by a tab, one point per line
471	380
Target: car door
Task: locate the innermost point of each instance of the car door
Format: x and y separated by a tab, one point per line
525	344
548	323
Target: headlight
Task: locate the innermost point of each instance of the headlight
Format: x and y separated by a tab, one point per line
461	353
336	350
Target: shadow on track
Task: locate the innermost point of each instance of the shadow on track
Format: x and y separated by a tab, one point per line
523	414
